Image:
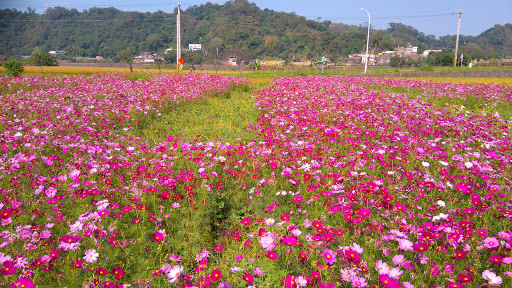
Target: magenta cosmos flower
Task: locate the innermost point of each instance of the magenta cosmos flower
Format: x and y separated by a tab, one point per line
329	256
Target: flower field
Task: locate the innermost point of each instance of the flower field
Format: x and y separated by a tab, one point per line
353	182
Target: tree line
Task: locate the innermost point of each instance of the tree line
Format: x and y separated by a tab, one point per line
234	28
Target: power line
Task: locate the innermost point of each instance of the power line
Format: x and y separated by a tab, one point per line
381	17
84	20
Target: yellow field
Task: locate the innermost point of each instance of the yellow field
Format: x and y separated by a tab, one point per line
499	81
91	70
260	80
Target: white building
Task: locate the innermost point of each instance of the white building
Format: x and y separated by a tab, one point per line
194	47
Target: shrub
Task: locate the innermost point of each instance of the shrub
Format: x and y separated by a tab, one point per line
426	68
14	68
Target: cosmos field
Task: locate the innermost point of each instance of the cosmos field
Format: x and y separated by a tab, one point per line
351	182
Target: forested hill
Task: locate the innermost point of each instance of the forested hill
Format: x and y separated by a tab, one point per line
234	26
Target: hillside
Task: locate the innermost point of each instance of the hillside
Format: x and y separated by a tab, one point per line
237	26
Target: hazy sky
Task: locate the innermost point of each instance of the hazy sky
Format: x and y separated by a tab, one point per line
426	16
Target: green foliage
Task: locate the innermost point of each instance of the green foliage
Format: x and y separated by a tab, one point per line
224	115
255	65
139	76
266	33
13	68
192	57
41	58
426	68
127	56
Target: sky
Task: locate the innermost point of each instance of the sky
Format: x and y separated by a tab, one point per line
437	17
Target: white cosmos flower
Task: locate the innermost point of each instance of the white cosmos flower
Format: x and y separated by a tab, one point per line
468	164
441	203
425	164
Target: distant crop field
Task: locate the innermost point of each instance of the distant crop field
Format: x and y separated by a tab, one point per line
195	180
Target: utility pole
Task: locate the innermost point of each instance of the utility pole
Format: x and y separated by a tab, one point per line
367	42
457	41
178	39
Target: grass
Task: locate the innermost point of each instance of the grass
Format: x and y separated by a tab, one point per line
223	116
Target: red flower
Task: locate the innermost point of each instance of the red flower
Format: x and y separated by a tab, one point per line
285	217
307	177
23	282
246	221
455	285
400	207
54	254
352	256
216	275
77	264
118	272
158	237
495	259
290	241
317	224
8	269
248	278
218	248
465	278
6	213
204	282
289	282
421	247
101	271
272	255
459	254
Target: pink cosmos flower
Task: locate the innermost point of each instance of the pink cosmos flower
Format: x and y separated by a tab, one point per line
399	260
395	273
492	278
174	273
359	282
91	256
406	245
491	242
329	256
482	233
268	241
382	267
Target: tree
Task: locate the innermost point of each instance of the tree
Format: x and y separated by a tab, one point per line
395	61
41	59
216	45
14	68
126	55
170	57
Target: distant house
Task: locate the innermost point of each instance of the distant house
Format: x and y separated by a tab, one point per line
195	47
57	52
232	61
145	57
